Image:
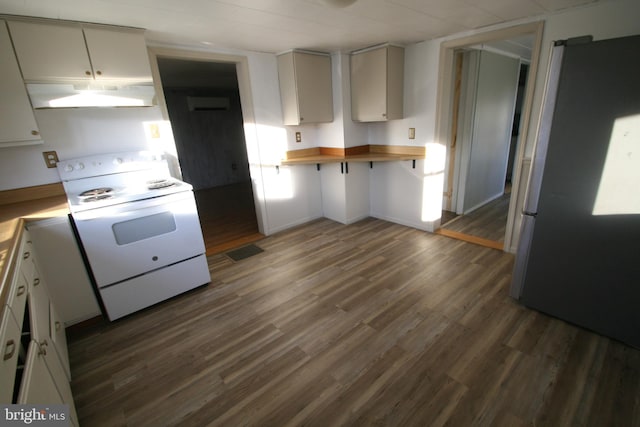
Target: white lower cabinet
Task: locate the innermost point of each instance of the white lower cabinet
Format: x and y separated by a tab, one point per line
10	336
60	261
44	381
35	363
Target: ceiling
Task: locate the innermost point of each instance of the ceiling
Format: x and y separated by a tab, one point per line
278	25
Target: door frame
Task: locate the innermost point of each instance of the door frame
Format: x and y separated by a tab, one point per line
246	101
445	101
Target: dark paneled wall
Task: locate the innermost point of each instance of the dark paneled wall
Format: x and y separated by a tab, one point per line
210	142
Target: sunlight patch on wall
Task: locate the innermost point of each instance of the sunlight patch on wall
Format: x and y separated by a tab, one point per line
618	190
278	183
270	147
266	147
434	164
159	137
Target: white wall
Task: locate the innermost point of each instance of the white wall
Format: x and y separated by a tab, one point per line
333	192
602	20
400	193
397	192
357	192
287	196
74	133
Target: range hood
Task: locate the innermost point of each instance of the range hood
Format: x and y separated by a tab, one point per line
69	95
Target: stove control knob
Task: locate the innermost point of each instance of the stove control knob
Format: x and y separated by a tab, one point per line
79	165
117	161
68	168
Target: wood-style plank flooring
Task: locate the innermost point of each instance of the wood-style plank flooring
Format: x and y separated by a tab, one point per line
227	216
487	222
371	324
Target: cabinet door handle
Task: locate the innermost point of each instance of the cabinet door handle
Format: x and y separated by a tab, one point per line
21	290
9	349
58	325
88	73
35	132
99	72
42	348
26	255
36	281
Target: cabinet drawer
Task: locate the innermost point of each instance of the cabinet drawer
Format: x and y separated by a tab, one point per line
39	308
26	262
17	300
10	339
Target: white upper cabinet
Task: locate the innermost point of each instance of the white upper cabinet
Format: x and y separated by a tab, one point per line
51	51
118	54
377	87
305	87
17	122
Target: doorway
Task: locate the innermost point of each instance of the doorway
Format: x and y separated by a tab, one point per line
204	107
482	172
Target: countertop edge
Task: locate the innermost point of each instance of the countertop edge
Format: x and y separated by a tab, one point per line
13	219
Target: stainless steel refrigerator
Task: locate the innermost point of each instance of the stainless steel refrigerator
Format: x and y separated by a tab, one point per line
578	256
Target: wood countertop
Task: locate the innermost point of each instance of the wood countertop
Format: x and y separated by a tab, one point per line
13	217
363	153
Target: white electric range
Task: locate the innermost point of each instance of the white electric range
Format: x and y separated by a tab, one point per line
137	227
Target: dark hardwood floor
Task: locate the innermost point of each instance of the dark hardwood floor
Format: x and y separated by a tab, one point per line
227	216
371	324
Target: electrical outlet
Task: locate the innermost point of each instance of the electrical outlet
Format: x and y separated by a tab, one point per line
50	158
298	136
412	133
154	131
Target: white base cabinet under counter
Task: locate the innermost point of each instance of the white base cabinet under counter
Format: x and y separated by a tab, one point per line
42	381
60	262
35	363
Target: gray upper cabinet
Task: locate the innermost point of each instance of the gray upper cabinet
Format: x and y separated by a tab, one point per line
52	51
305	87
17	122
377	76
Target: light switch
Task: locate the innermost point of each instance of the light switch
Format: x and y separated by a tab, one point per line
412	133
50	158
